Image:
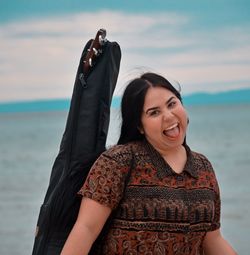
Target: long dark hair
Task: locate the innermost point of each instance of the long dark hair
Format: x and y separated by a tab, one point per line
133	101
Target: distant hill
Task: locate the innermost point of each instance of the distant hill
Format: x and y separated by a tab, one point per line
36	106
229	97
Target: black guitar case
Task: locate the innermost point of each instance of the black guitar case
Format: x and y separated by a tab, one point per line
84	139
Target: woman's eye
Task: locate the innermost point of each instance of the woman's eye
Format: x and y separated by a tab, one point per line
172	104
154	113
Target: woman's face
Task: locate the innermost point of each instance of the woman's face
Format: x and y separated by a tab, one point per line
164	119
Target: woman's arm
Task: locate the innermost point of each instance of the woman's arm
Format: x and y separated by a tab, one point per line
90	221
214	244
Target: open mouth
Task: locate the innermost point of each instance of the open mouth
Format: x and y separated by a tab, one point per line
172	131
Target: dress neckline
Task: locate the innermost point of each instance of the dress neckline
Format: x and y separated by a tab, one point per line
163	168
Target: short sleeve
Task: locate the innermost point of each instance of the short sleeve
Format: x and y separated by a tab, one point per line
216	222
217	207
105	181
217	200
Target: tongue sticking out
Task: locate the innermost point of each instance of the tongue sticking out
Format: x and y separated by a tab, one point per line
172	133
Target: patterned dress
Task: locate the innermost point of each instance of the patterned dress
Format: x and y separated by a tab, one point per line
158	211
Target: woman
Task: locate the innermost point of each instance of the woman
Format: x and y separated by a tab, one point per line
164	198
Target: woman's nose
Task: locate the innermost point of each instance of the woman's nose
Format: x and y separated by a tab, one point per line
167	114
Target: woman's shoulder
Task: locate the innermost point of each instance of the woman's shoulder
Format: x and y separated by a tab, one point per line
202	161
122	152
124	148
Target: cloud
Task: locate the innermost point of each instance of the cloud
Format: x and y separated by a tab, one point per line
39	57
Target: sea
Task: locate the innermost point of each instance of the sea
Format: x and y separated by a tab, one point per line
29	143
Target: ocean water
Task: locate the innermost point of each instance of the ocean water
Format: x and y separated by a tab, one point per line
29	143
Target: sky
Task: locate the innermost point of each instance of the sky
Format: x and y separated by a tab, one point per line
204	45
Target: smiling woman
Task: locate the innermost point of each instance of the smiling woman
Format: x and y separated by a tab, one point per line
164	119
157	195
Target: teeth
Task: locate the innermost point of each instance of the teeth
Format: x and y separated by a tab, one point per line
173	126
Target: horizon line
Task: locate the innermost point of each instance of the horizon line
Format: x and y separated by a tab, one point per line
240	96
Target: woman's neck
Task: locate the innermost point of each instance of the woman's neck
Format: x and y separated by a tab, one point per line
176	158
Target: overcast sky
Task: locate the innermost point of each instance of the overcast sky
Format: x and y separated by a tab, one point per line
205	45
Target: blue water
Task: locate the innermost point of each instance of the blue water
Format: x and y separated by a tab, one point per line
29	143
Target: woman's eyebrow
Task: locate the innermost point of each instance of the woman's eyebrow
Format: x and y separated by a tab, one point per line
157	107
151	109
170	99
